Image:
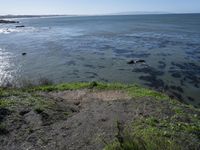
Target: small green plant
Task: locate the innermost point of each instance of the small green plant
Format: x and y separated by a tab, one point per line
39	110
93	85
30	130
66	113
178	110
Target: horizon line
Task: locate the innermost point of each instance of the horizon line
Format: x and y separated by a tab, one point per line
106	14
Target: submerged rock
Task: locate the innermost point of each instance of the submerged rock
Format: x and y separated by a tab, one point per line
22	26
190	99
24	54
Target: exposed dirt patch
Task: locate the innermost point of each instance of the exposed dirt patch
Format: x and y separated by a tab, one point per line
79	120
86	95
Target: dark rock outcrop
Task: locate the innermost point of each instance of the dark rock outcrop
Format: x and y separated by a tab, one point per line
22	26
136	61
3	113
131	62
8	21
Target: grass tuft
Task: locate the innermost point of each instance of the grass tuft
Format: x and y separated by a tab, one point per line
152	133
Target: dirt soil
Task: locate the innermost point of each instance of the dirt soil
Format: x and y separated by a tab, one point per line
80	120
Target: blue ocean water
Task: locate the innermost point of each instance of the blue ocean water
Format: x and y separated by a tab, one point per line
97	48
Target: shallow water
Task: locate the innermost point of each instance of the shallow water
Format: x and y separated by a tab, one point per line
66	49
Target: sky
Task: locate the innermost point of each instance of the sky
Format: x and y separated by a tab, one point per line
94	7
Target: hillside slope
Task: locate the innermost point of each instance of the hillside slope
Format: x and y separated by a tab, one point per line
95	116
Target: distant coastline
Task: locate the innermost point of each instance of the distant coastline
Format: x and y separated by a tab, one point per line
28	16
79	15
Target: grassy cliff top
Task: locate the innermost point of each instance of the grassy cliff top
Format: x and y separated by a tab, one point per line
95	115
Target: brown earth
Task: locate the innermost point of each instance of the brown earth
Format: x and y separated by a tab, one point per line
79	120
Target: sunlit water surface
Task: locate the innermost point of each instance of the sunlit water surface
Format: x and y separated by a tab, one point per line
68	49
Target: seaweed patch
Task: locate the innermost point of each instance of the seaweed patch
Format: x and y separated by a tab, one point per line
71	63
189	71
176	75
89	66
177	88
152	81
162	65
149	70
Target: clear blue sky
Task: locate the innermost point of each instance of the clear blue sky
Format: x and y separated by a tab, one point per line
96	6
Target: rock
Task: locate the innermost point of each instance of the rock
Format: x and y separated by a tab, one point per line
3	113
131	62
140	61
77	103
8	21
3	131
136	61
191	99
22	26
23	112
33	119
23	54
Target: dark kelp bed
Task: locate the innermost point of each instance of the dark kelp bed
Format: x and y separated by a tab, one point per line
95	116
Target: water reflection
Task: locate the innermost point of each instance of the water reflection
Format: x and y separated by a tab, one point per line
6	67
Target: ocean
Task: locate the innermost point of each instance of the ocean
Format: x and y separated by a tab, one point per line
97	48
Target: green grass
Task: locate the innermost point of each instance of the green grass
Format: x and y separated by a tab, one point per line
133	90
154	134
7	92
17	98
6	103
60	87
26	96
143	134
